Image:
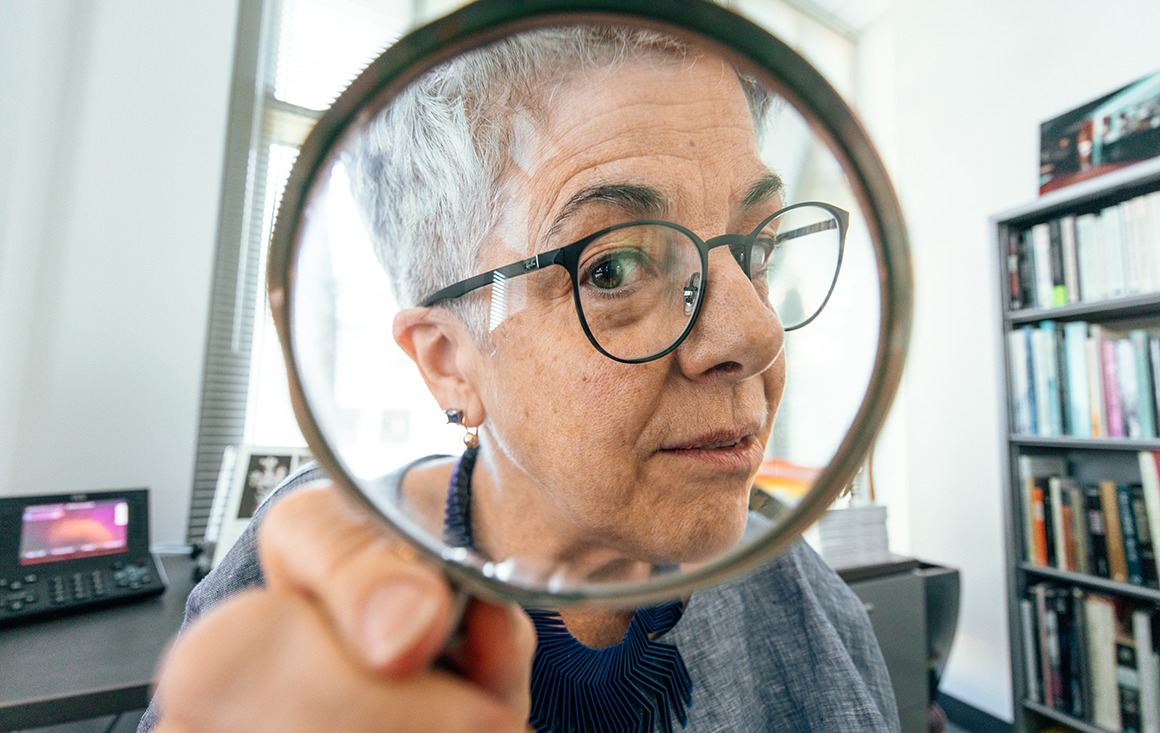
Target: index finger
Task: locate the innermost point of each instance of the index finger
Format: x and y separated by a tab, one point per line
392	609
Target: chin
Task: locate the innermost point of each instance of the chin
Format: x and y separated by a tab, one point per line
690	534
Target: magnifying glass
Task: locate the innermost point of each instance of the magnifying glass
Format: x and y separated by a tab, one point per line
641	256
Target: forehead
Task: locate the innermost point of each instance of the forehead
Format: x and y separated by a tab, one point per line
681	126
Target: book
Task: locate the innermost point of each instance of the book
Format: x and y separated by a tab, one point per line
1070	258
1113	252
1058	284
1041	257
1078	384
1128	534
1146	671
1115	418
1154	362
1129	382
1013	284
1097	533
1089	243
1082	704
1039	593
1067	517
1080	530
1048	356
1139	340
1117	562
1030	658
1144	537
1128	680
1150	492
1096	386
1022	400
1100	613
1134	280
1055	489
1067	670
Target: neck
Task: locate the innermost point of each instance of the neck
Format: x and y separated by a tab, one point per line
513	517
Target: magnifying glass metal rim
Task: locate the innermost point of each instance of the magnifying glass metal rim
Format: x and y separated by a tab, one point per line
829	116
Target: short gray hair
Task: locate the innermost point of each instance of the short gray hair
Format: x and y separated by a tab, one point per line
428	170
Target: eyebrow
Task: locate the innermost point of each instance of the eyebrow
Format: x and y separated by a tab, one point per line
647	201
635	199
762	190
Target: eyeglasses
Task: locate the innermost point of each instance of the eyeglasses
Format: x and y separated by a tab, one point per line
639	286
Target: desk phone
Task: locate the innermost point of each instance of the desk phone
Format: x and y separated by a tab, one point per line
64	552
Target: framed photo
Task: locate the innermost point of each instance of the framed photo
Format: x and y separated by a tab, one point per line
1116	130
253	473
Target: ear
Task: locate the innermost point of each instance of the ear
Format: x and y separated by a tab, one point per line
441	346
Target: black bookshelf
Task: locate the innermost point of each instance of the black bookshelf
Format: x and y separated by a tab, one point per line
1141	310
1080	725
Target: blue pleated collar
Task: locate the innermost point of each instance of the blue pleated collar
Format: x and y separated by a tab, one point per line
626	688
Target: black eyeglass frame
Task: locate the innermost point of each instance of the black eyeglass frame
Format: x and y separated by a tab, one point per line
568	257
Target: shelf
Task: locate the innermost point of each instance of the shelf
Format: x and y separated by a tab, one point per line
1118	184
1081	725
1091	581
1125	444
1145	304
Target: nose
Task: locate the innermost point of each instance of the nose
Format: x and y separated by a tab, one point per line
737	334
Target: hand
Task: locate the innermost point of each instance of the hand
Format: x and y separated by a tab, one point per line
342	638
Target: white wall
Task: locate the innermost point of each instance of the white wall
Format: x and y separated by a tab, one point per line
112	130
954	94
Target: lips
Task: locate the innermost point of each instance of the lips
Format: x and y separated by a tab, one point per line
718	440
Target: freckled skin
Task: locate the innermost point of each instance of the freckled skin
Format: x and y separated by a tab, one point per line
577	464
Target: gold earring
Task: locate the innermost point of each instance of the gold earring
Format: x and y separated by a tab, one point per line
455	417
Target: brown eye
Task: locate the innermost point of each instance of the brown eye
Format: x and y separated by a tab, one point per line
617	269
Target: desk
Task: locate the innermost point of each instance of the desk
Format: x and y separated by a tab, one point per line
90	664
914	609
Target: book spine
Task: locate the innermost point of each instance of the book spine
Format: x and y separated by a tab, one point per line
1112	390
1013	284
1128	680
1058	284
1128	533
1027	490
1078	383
1150	491
1070	258
1153	243
1079	621
1030	658
1034	392
1027	270
1050	357
1144	541
1129	388
1113	251
1144	389
1133	257
1101	636
1097	533
1067	529
1020	383
1146	668
1055	488
1041	246
1040	595
1096	387
1154	364
1117	563
1080	531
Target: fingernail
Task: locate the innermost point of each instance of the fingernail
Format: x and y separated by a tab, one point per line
395	618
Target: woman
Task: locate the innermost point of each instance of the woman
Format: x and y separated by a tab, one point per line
615	436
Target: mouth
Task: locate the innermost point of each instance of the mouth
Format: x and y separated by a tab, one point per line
734	450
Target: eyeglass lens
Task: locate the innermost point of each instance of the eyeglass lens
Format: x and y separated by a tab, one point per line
639	285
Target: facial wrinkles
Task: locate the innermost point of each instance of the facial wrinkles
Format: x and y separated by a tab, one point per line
704	161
